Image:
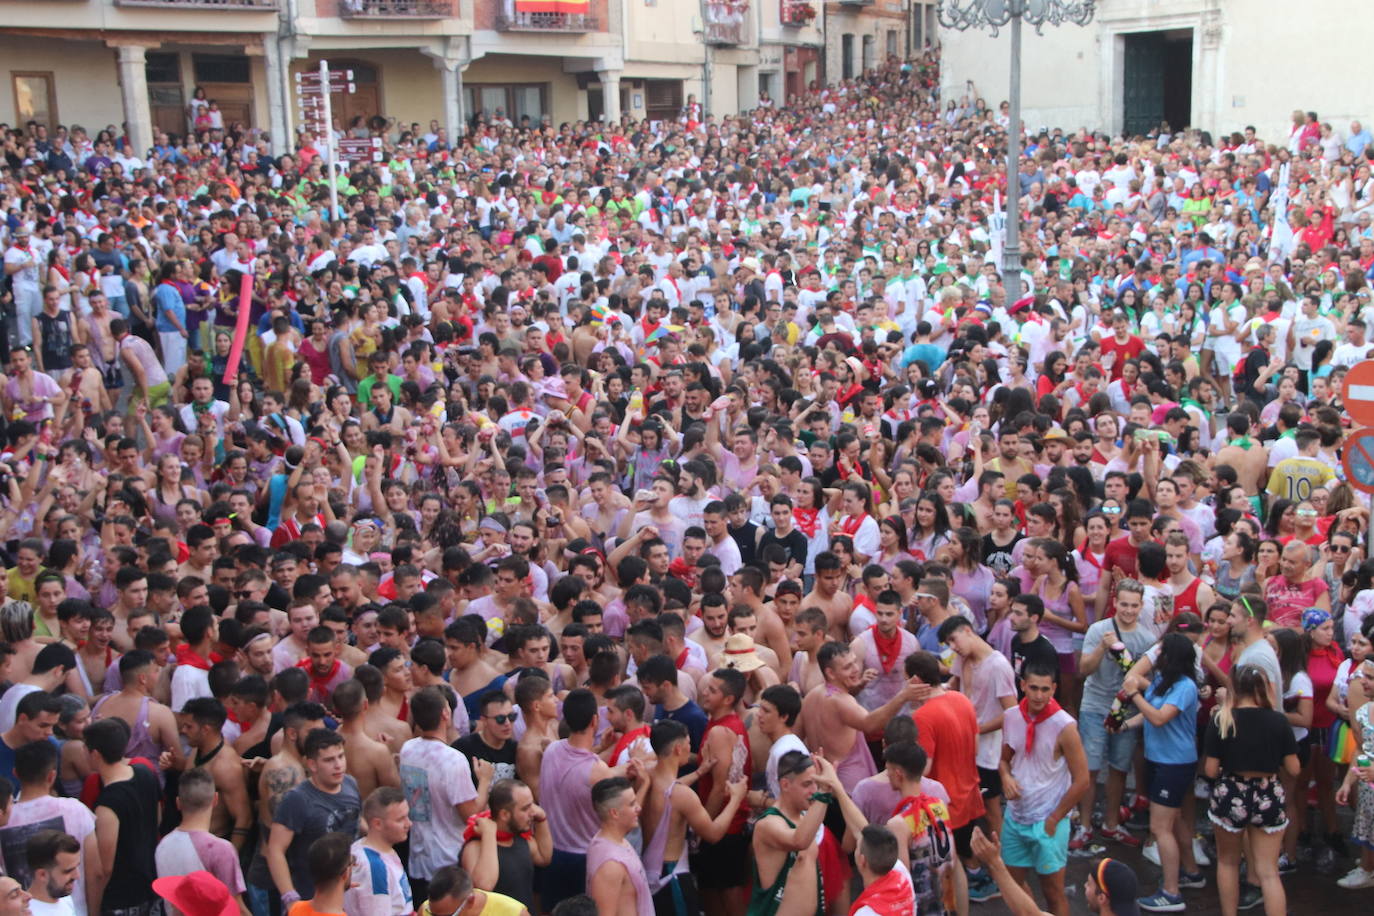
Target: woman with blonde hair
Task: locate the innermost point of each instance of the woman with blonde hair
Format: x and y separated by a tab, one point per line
1247	746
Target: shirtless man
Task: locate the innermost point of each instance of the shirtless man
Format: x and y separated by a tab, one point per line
397	683
381	725
990	489
715	619
469	675
1246	455
827	596
742	620
369	761
770	633
202	725
604	511
811	630
153	728
834	724
539	708
86	382
670	807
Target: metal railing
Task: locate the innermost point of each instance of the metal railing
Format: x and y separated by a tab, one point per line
725	33
396	9
517	21
256	5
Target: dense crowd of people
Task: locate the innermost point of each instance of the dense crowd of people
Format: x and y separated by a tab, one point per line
680	517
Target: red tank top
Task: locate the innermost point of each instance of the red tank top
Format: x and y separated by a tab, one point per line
1186	600
741	764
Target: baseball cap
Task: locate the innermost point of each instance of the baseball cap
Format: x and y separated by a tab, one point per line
1118	881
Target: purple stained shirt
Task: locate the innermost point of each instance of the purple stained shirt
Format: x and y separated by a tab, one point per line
35	409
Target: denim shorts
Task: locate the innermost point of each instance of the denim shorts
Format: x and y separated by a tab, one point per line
1100	746
1029	846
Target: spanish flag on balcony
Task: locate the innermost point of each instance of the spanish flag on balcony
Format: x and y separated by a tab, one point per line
566	7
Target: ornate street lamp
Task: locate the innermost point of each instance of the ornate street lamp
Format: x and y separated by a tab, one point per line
964	15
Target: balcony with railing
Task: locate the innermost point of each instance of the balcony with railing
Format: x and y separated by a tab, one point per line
258	6
725	21
797	13
513	20
397	9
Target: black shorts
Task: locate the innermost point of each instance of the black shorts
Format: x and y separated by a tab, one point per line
1238	803
678	897
724	865
990	781
963	837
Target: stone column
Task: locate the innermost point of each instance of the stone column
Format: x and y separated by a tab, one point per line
133	88
451	75
610	95
279	96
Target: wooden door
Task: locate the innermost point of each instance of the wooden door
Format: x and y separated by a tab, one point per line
1143	78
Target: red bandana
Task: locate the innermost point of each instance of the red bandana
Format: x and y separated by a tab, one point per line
187	656
808	520
470	831
852	523
319	685
1050	709
889	647
890	895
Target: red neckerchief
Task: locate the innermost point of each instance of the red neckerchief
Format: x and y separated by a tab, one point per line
188	656
318	684
889	895
850	524
470	831
681	659
922	801
1086	552
1050	709
808	520
629	738
889	647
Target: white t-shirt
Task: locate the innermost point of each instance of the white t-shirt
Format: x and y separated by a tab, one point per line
379	884
47	813
10	702
1300	688
436	779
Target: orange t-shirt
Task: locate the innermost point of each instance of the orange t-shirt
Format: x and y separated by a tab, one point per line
304	908
948	727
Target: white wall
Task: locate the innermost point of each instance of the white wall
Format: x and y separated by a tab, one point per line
1246	67
87	80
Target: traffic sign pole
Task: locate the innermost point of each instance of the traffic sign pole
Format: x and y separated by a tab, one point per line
329	141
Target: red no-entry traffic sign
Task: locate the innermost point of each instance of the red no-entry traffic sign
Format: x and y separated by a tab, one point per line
1358	392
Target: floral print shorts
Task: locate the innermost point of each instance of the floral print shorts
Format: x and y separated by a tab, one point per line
1238	803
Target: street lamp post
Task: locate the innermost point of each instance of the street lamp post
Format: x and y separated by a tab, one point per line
963	15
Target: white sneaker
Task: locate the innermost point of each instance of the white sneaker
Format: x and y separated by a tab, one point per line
1200	852
1151	852
1357	878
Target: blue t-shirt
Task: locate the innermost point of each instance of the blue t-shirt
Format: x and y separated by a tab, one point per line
690	715
167	298
1175	741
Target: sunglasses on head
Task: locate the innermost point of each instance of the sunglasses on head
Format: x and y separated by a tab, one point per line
801	766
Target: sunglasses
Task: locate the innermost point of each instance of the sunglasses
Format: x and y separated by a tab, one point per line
243	595
1111	510
801	766
1339	548
503	718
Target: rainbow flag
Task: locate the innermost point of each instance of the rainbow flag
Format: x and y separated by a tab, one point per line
663	331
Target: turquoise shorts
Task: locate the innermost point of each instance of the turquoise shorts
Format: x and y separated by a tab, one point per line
1029	846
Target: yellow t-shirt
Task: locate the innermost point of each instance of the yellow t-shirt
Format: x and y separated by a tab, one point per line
496	905
21	589
1296	478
